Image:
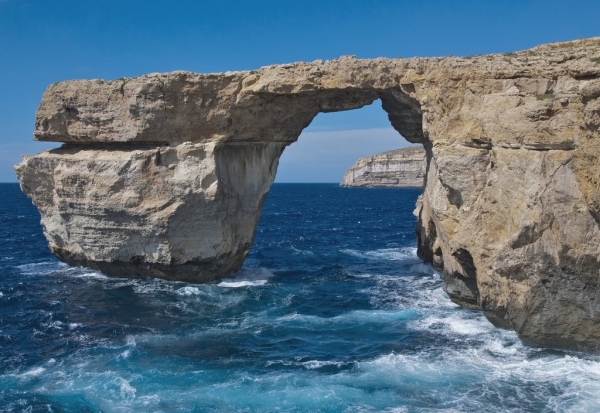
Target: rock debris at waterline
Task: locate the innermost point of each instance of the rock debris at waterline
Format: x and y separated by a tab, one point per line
400	168
164	175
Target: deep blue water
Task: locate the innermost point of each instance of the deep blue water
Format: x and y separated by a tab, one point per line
332	312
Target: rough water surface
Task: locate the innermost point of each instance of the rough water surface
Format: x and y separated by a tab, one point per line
332	312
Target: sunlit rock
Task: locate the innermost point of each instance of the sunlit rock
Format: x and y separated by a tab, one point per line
164	175
401	168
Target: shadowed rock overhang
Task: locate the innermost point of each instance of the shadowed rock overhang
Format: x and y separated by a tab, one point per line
164	175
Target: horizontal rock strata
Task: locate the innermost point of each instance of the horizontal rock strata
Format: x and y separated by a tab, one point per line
401	168
165	174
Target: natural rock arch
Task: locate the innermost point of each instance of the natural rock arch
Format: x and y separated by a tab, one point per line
164	175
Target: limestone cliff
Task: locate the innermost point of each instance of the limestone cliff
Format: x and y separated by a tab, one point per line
165	174
401	168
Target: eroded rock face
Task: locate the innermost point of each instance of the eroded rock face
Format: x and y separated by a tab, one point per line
186	212
400	168
164	175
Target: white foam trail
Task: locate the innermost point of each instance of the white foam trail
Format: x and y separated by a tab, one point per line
59	268
248	278
388	254
308	365
355	317
33	372
90	274
317	364
237	284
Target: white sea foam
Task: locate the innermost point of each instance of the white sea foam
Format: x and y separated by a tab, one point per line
371	276
248	278
38	371
237	284
187	291
425	269
453	323
388	254
398	410
126	389
130	341
448	380
154	286
54	324
309	364
147	401
210	294
574	377
296	316
418	291
59	269
355	317
317	364
88	274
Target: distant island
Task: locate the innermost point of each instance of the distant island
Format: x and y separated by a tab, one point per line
400	168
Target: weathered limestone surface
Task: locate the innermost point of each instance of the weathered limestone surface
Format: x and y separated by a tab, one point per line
400	168
165	174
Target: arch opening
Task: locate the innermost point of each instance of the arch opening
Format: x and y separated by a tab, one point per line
314	226
334	141
278	122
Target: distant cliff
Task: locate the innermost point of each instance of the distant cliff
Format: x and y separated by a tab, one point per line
400	168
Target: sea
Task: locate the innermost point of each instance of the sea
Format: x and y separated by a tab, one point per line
332	312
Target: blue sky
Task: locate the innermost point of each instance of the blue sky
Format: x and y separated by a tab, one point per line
45	41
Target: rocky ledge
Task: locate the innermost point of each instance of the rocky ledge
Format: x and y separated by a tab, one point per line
164	175
400	168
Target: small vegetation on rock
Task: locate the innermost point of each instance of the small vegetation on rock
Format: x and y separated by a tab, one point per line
596	60
544	96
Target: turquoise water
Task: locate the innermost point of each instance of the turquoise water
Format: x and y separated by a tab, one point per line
332	312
